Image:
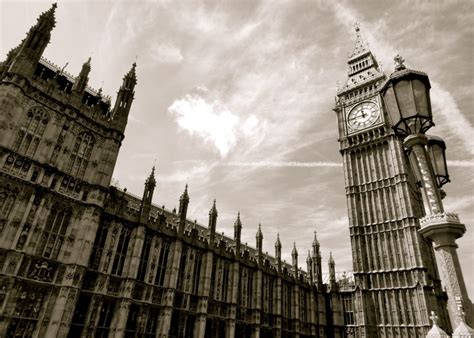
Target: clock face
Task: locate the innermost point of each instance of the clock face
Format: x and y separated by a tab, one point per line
363	115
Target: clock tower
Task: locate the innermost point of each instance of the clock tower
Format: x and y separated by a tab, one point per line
396	279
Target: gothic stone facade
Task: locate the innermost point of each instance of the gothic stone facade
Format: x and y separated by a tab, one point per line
79	258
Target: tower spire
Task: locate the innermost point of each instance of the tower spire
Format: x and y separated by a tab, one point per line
237	233
125	97
278	251
150	185
259	237
183	209
212	224
32	47
361	45
294	257
81	81
363	67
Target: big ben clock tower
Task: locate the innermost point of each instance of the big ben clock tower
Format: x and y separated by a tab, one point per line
397	283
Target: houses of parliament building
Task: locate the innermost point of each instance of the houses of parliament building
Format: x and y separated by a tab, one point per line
80	258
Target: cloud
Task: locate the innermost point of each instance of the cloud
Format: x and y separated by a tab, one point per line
459	163
165	53
444	105
212	122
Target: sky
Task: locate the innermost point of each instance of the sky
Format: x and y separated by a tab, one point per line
235	98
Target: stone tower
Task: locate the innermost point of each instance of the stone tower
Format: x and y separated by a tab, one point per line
397	283
59	142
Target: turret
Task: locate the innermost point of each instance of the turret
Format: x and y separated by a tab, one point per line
332	272
124	99
309	267
28	54
150	185
183	210
278	251
317	269
259	237
81	81
294	258
212	224
237	233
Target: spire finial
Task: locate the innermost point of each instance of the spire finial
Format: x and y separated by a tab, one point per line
434	318
399	62
357	27
361	46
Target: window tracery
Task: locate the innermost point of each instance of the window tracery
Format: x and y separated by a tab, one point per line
26	313
52	238
7	201
80	154
31	132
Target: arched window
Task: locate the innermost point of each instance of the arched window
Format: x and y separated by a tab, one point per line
31	132
80	154
54	232
7	200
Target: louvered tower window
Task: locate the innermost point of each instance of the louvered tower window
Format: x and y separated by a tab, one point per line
31	132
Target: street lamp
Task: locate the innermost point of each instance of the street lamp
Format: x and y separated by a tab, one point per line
406	99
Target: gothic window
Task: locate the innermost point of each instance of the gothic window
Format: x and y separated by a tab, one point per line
162	262
131	326
182	269
250	290
348	308
225	281
197	272
105	318
79	316
7	200
54	231
99	244
80	154
151	324
26	313
142	267
121	252
31	132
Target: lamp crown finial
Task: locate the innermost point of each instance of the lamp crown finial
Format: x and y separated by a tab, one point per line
399	62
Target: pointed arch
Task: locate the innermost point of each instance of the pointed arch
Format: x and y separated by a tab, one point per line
80	154
54	231
31	131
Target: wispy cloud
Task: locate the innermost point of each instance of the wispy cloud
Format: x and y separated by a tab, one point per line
281	164
166	53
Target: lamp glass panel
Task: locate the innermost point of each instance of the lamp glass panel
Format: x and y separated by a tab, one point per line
439	160
421	97
391	105
414	166
405	98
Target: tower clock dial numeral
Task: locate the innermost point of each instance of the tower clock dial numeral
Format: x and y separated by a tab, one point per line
363	115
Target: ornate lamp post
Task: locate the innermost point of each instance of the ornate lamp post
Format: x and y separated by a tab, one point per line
406	98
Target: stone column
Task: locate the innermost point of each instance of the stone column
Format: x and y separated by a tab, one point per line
278	309
172	272
443	229
257	304
119	321
233	289
204	293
